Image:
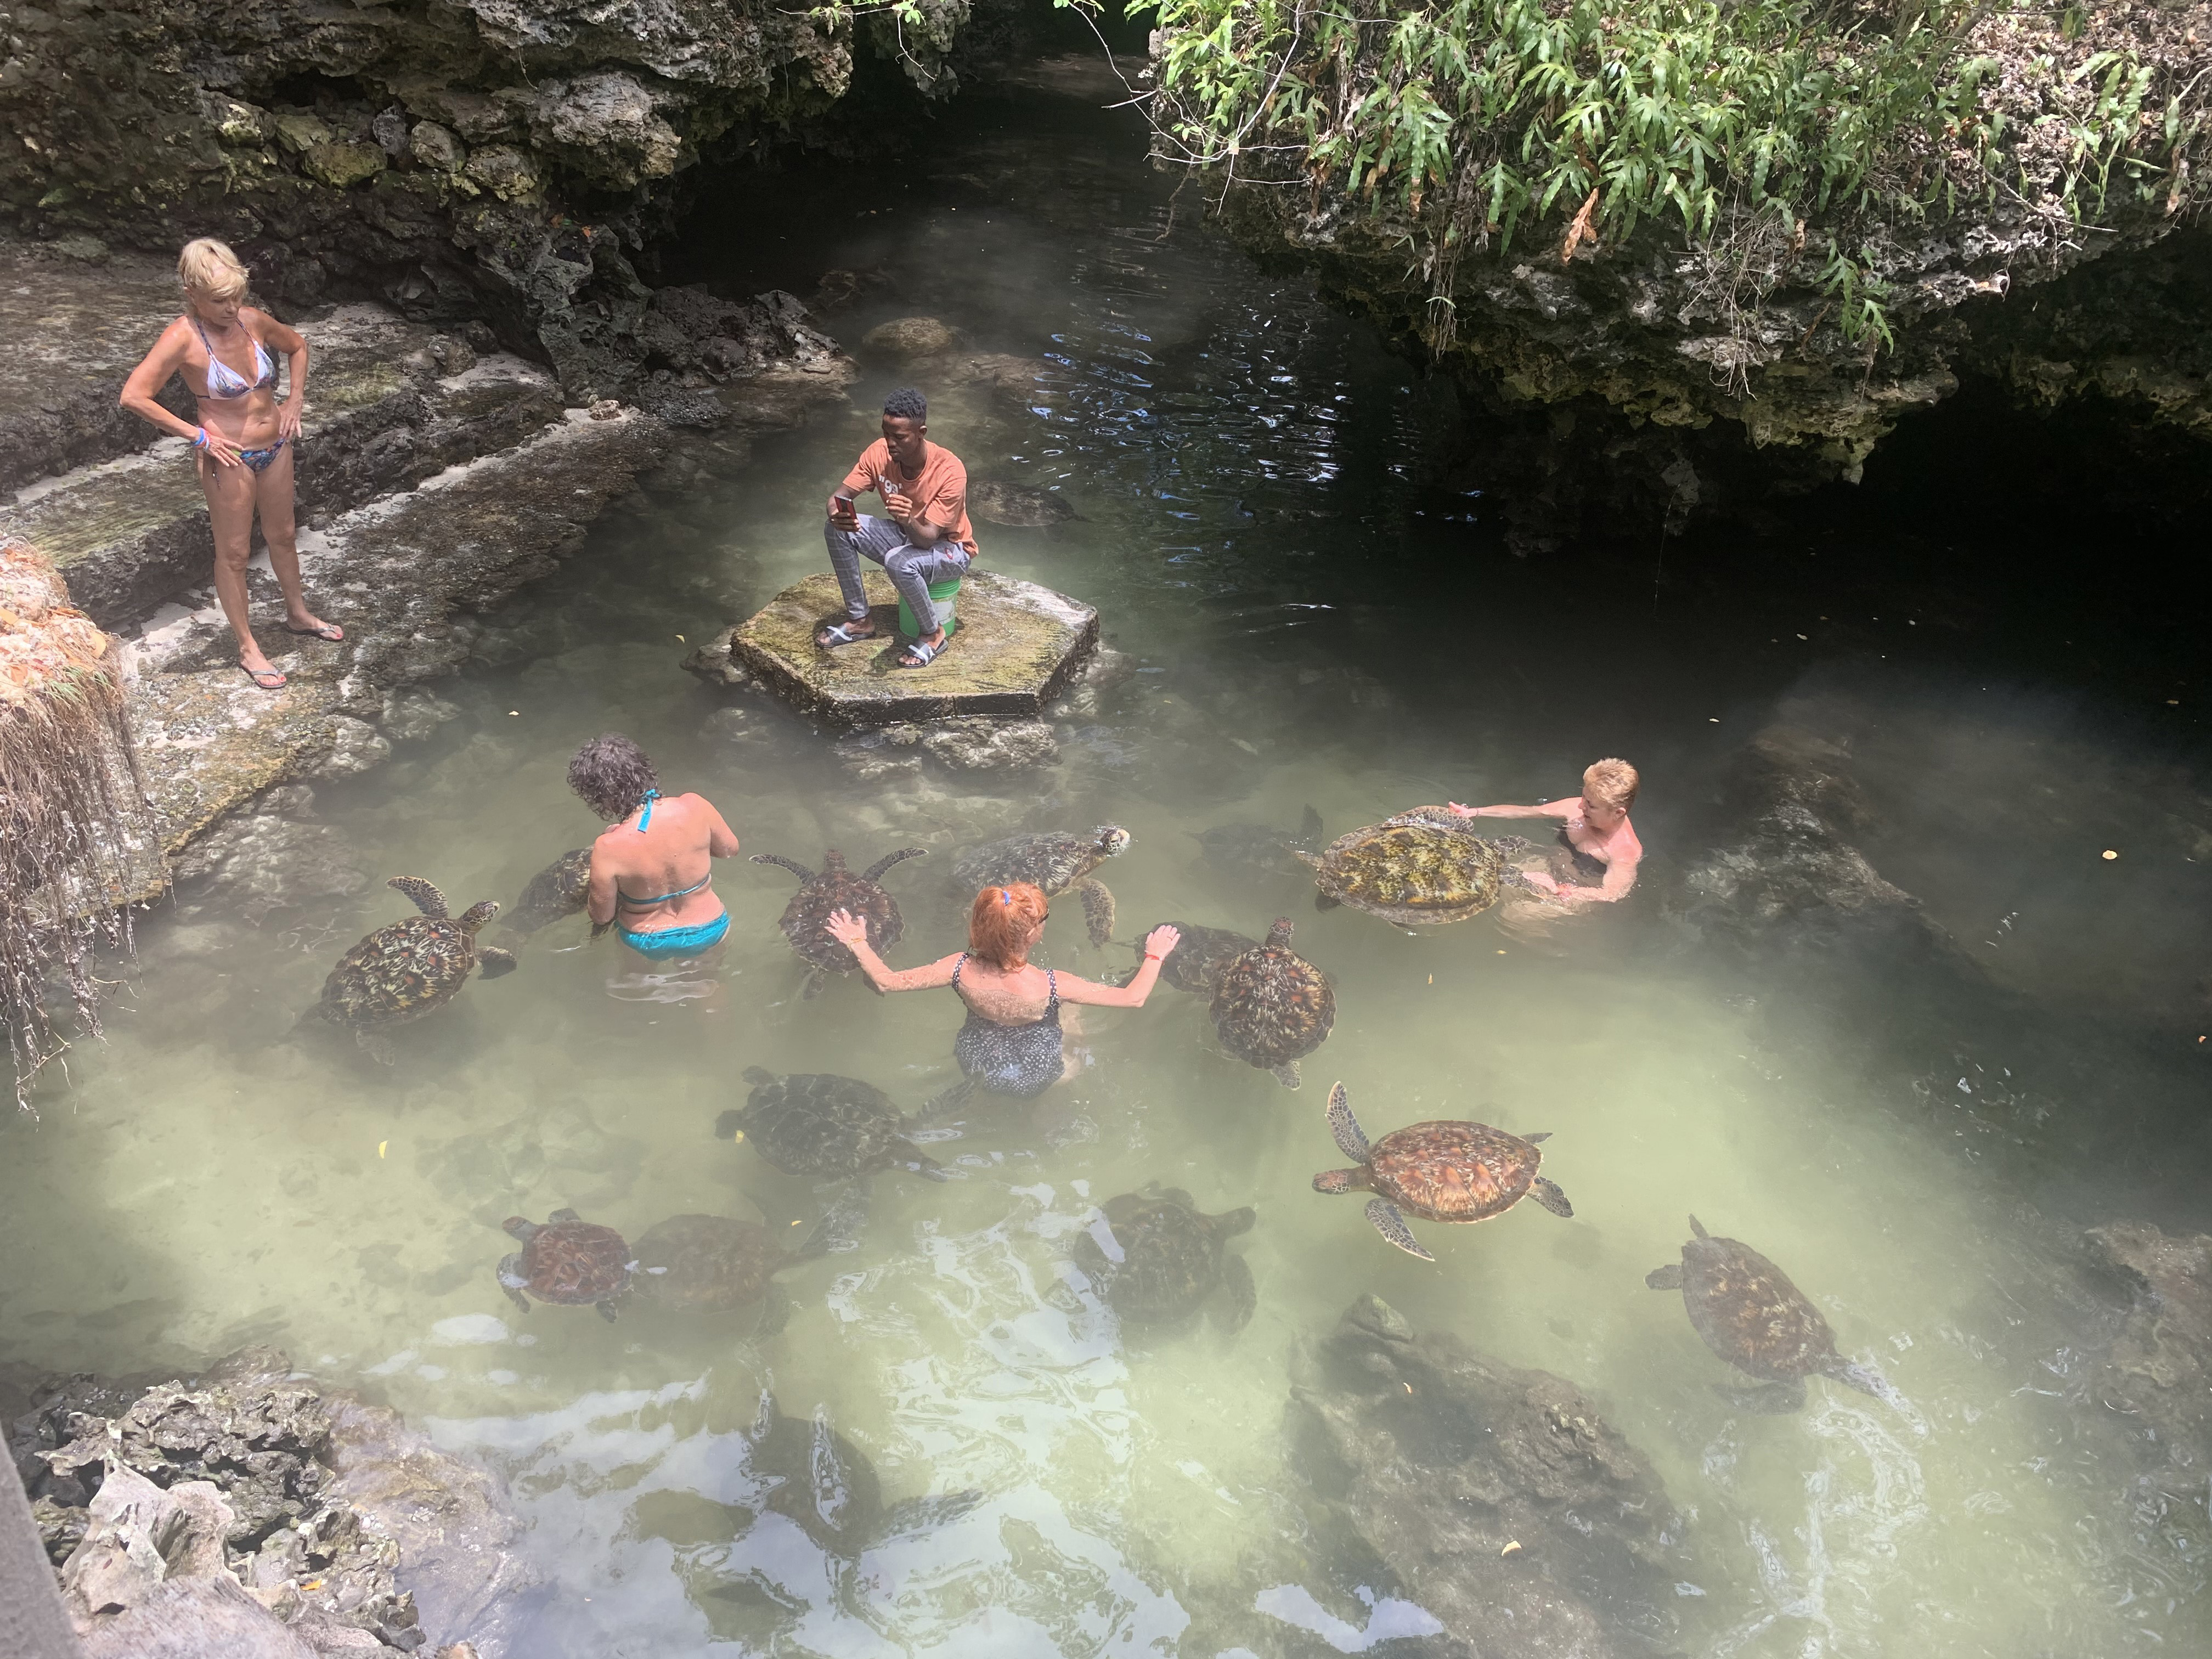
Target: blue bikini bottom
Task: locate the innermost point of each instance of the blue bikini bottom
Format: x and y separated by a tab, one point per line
679	941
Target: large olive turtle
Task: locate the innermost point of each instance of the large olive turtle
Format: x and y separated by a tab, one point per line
717	1263
1421	867
815	1123
560	889
567	1261
1442	1171
1271	1007
402	971
837	888
1255	850
1157	1261
998	501
1195	963
1749	1314
1054	860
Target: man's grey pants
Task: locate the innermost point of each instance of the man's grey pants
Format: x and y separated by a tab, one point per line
911	569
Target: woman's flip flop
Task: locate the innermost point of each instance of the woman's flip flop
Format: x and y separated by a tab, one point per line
267	679
330	631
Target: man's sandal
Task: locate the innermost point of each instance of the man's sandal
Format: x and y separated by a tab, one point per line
921	655
830	638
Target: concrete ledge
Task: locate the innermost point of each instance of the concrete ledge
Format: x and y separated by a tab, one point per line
1017	645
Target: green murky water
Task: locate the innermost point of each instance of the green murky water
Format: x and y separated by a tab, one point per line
1305	621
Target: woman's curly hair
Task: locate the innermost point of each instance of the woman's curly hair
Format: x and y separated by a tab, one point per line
612	775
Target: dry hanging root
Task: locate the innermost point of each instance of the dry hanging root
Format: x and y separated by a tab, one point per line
72	806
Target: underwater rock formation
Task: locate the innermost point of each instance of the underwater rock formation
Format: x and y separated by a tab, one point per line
247	1498
2152	1383
75	836
1499	1496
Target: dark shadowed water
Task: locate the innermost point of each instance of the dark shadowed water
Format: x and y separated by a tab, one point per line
1304	617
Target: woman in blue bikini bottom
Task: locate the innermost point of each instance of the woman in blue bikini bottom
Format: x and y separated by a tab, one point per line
649	838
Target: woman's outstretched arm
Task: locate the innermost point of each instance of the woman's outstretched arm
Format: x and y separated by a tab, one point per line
1157	943
849	931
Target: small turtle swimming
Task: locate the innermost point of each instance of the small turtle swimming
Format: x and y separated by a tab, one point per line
1446	1170
403	970
997	501
1160	1260
820	1124
1270	1006
1421	867
567	1261
562	889
1750	1315
1253	850
1195	964
1055	861
820	897
717	1263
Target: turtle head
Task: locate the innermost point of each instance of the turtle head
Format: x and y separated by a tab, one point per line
1280	935
1341	1180
511	1274
476	915
1866	1380
519	1228
1112	841
832	861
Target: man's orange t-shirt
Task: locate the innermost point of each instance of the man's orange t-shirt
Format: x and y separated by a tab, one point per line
941	490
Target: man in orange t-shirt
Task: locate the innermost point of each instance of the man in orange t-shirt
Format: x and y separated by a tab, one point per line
925	539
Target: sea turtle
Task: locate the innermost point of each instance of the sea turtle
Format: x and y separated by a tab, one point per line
997	501
1424	865
402	971
1195	963
1749	1314
567	1261
1442	1171
1157	1261
1056	860
1253	850
557	891
806	918
1271	1007
813	1123
716	1263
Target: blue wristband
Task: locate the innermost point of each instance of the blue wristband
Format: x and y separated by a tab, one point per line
201	441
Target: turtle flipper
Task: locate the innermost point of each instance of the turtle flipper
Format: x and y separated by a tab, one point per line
564	1215
1286	1073
511	1280
1546	1193
377	1046
1699	1228
796	869
951	1100
1351	1139
1668	1277
874	871
1392	1226
906	1154
1768	1399
1233	1308
1322	900
816	982
1097	909
1511	843
606	1307
428	899
492	962
1309	828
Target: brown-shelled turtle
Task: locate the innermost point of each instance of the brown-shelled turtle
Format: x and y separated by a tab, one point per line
820	897
1195	964
560	889
1421	867
568	1261
1055	861
1749	1314
403	970
816	1123
1256	850
718	1263
1157	1259
1270	1006
1446	1170
997	501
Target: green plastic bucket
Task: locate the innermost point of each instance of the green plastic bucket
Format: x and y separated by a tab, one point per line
940	600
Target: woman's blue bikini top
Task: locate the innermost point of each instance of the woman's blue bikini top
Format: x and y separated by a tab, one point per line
624	901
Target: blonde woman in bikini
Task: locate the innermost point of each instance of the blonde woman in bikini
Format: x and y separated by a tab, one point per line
244	438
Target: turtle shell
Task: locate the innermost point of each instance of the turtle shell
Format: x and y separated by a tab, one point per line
560	888
1195	963
572	1262
1170	1254
1421	867
1749	1313
1454	1171
821	1124
805	918
1270	1006
709	1263
400	971
1051	859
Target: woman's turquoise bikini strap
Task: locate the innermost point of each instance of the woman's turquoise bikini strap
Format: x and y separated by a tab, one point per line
645	818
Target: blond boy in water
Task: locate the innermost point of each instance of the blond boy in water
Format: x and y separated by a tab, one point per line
1596	832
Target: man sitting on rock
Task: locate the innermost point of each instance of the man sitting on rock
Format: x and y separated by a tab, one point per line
925	539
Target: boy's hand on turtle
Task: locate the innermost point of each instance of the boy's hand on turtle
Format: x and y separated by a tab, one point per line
1162	939
1540	882
847	928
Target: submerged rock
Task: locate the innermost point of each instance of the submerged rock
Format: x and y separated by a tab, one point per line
909	338
2154	1383
1500	1497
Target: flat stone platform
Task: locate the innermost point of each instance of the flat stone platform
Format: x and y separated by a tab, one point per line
1017	645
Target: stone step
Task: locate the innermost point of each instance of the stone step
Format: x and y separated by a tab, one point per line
390	403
